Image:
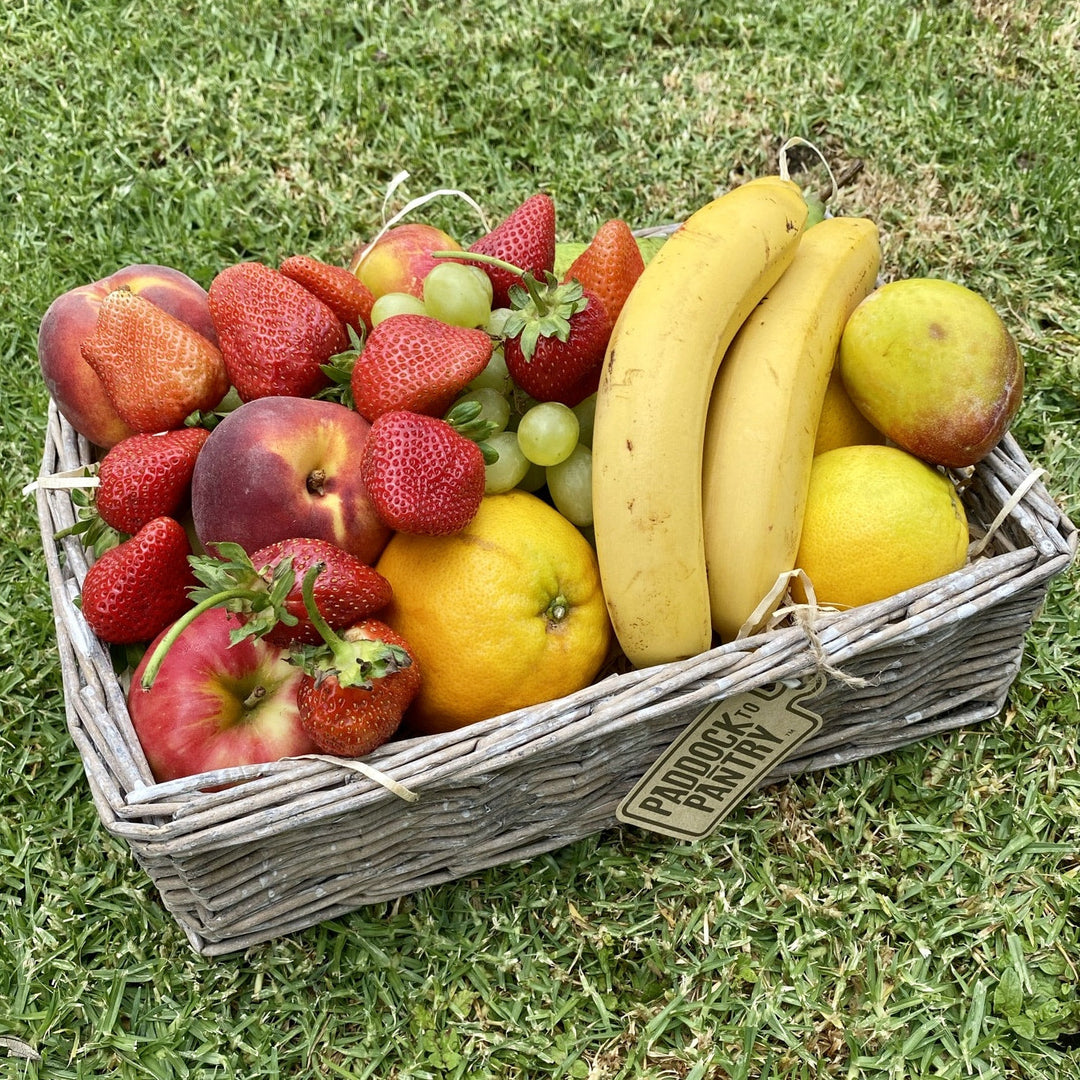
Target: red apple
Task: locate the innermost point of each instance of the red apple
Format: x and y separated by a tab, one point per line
279	467
70	318
400	259
213	705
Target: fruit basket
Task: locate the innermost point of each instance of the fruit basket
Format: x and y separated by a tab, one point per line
307	839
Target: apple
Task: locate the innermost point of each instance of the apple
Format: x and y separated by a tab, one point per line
213	705
400	259
71	317
280	467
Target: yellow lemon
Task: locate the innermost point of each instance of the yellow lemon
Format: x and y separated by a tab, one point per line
506	613
878	521
841	422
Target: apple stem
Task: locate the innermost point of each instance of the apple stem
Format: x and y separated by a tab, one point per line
255	697
158	656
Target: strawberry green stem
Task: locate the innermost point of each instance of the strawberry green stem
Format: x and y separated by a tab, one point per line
307	591
157	657
355	663
536	294
476	256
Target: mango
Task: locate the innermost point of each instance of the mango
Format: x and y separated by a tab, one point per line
932	366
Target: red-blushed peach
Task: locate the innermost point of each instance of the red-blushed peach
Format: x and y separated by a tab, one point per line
70	319
932	366
400	259
280	467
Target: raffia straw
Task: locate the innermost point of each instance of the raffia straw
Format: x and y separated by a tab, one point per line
67	480
388	782
1007	508
796	140
412	205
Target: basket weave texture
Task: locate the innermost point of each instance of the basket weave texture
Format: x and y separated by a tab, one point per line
308	839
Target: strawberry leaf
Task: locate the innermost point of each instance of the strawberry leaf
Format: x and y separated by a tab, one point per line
543	309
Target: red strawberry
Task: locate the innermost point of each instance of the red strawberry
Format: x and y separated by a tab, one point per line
155	369
275	335
417	363
609	267
342	292
137	589
422	475
555	341
345	591
356	686
147	476
526	239
357	704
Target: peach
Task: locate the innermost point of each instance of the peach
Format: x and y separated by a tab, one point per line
70	319
281	467
400	259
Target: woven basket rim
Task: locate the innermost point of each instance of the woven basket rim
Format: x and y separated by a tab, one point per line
134	797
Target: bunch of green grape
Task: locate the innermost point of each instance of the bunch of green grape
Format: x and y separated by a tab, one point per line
539	443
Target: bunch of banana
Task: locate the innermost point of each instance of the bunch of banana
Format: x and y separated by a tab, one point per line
763	419
651	408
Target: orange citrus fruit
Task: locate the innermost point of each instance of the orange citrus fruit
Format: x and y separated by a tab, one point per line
841	423
506	613
878	521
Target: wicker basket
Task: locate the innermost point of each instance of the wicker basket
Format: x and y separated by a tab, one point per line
308	839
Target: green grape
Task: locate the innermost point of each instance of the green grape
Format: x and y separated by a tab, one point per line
548	433
570	485
585	411
494	375
396	303
497	320
534	479
493	406
458	294
510	469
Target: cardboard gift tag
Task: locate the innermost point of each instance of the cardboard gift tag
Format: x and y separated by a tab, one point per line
720	756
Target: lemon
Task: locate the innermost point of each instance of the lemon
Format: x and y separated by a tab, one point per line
878	521
841	422
506	613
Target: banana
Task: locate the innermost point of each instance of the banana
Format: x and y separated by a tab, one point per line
763	417
651	406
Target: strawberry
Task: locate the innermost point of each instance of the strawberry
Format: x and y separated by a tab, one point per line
422	475
137	589
345	591
275	335
555	340
342	292
609	267
356	686
417	363
147	476
351	720
264	591
525	239
154	368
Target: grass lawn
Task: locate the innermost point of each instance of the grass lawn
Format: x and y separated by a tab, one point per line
908	916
